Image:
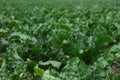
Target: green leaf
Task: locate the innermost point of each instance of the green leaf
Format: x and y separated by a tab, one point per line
3	31
18	35
15	22
75	69
48	76
55	64
38	71
4	42
103	39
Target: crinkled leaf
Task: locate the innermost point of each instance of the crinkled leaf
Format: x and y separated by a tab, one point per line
75	69
55	64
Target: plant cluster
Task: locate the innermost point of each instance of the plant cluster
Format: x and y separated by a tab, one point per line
70	42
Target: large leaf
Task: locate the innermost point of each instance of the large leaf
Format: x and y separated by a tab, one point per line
75	69
103	39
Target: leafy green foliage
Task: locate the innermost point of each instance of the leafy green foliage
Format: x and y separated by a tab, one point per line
58	40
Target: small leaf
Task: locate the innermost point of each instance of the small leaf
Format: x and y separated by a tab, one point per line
4	42
15	22
55	64
38	71
18	35
48	76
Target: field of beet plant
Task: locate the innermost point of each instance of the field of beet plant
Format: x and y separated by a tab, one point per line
59	40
